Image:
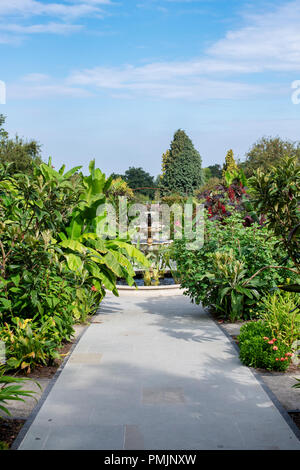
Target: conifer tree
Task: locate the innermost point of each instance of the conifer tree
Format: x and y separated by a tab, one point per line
182	172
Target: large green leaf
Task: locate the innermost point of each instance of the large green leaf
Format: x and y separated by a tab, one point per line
131	250
112	263
73	245
74	262
75	228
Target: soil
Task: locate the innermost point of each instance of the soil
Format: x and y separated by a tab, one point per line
295	415
9	429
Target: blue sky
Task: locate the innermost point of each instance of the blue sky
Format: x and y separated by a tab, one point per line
113	80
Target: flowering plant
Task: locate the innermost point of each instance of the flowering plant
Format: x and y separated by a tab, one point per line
258	348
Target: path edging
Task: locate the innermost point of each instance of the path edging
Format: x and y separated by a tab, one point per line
284	413
15	445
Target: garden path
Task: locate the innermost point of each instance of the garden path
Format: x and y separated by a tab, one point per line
154	371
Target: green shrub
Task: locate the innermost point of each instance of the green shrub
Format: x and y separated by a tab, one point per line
54	249
260	349
253	246
85	304
28	345
227	293
280	312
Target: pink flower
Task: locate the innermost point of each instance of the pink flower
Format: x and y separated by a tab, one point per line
270	342
282	359
93	288
266	338
177	223
275	348
276	359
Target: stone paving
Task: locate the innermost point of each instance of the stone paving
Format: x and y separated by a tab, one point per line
156	372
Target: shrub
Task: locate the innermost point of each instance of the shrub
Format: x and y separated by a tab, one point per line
86	303
253	246
260	349
280	311
227	292
29	345
224	200
54	248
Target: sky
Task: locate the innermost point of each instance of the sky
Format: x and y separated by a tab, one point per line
114	79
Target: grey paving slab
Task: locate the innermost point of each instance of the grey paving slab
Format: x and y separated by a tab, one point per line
156	372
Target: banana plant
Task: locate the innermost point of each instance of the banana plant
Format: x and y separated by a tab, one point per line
86	244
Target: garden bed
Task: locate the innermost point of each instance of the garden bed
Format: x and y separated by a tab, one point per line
295	415
47	372
20	411
9	430
279	383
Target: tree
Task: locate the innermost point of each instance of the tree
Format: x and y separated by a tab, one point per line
215	170
137	178
22	155
268	152
206	174
183	172
165	161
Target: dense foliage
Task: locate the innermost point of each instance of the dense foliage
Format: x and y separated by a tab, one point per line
139	180
271	342
260	349
22	155
268	152
56	258
277	195
219	273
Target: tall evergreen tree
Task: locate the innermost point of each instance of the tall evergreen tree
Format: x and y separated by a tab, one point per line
182	167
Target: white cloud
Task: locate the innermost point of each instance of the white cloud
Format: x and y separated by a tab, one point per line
267	42
176	80
36	8
52	28
66	13
270	41
40	86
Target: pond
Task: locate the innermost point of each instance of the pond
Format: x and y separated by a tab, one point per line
167	280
